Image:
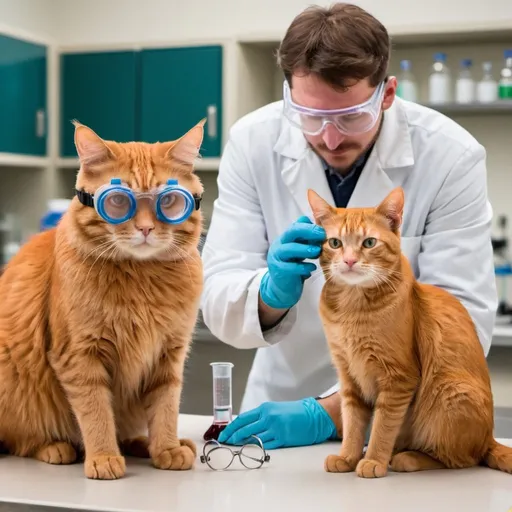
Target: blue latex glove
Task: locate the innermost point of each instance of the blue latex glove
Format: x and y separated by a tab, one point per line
281	287
282	424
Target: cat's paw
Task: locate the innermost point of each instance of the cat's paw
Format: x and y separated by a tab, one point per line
367	468
136	447
104	467
56	453
337	464
179	458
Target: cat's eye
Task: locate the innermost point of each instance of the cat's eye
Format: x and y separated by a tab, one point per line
368	243
118	200
167	200
334	243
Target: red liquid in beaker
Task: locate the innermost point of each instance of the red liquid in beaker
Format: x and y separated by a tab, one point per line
214	431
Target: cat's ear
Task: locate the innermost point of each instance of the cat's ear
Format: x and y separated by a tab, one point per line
392	207
321	208
91	148
186	149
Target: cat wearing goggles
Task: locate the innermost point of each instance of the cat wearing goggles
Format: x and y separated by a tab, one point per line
98	314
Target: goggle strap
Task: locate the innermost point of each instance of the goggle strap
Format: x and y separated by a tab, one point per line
88	199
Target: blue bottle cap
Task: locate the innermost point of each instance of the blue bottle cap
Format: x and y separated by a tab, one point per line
466	63
508	53
405	65
440	56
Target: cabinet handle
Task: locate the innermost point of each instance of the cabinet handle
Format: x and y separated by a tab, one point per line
212	121
40	123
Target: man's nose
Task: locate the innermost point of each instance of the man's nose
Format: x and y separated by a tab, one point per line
332	137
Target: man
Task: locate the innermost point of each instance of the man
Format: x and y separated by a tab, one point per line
340	131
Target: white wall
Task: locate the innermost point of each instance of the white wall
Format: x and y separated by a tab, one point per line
116	21
33	16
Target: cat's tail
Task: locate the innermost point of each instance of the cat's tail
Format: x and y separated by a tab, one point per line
499	457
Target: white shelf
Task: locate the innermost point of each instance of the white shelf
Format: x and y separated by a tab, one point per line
202	164
501	107
502	336
13	160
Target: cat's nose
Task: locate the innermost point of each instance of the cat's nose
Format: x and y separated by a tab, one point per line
145	230
350	262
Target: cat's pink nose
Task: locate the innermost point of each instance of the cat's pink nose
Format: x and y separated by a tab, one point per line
350	262
146	230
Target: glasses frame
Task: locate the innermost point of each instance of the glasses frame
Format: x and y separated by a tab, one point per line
205	459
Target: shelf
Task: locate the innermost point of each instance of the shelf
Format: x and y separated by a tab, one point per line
502	336
502	107
203	164
12	160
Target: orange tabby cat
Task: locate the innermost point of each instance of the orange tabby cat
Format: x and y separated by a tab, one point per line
407	351
97	318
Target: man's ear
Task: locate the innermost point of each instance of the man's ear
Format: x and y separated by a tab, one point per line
321	208
185	150
91	148
392	208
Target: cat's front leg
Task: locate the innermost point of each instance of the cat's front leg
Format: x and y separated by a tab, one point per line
390	410
355	418
162	401
87	386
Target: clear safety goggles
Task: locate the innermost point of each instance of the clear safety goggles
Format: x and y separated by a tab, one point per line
117	203
349	121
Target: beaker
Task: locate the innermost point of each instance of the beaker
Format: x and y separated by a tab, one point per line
222	397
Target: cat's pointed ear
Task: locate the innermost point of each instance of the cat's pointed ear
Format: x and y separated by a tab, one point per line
392	207
185	150
91	148
321	208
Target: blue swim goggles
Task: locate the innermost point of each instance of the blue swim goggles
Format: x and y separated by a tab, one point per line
116	203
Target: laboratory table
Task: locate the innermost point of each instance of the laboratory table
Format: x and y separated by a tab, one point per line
293	479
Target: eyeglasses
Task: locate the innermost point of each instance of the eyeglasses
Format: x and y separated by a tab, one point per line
349	121
220	458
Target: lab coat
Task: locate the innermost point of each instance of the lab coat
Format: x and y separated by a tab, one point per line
264	174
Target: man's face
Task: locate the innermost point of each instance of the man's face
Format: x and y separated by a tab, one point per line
339	150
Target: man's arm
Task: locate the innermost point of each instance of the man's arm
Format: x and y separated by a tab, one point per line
456	252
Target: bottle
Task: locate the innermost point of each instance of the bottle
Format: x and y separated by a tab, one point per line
407	88
487	87
439	80
505	83
56	209
465	85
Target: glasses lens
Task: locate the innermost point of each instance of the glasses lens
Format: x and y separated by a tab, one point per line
219	458
354	123
116	204
252	456
173	205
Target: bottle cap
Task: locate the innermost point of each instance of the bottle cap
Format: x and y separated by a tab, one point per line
466	63
508	53
440	57
405	65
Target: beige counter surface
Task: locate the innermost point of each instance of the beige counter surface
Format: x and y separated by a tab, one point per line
293	480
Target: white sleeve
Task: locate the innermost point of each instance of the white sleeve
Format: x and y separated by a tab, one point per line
456	252
234	259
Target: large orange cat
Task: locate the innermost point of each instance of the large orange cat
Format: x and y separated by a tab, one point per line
407	351
96	317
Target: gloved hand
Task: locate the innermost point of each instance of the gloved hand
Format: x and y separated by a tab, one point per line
281	287
282	424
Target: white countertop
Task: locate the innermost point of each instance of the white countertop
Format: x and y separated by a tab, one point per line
294	479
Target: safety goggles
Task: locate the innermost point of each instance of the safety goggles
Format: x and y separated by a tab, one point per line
117	203
349	121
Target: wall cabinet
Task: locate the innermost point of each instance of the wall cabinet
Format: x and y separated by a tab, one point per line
99	90
23	124
150	95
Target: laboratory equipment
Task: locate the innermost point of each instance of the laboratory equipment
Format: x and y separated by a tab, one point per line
465	85
407	88
487	87
56	208
505	83
222	399
439	80
252	455
502	267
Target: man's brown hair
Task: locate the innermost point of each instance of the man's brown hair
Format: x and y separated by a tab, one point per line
341	44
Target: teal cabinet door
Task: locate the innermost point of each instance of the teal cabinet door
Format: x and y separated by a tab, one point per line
23	125
179	87
99	90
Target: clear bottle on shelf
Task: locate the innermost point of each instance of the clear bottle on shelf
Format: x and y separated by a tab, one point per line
407	88
505	83
465	85
439	85
487	87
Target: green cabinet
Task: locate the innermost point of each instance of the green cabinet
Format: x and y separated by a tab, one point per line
100	90
149	95
23	124
179	87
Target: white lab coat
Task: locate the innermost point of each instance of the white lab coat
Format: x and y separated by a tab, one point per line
265	172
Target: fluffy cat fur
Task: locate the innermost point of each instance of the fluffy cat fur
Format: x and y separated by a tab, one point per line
96	321
405	351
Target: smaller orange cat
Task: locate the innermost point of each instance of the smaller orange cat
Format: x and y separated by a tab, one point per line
407	351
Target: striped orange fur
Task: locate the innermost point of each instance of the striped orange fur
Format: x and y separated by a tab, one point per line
406	352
